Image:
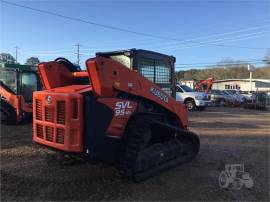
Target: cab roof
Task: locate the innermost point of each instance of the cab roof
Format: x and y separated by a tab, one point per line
133	51
18	67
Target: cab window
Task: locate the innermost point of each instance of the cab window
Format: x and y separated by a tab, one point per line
163	73
29	84
124	60
9	79
147	69
178	89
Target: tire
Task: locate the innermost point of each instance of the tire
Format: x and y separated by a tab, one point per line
223	180
247	180
190	104
222	103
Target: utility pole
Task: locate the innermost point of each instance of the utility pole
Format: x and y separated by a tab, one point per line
16	53
250	69
78	53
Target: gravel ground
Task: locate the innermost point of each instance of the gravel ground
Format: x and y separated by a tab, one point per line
228	136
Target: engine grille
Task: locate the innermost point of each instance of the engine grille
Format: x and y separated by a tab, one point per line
38	109
60	135
49	133
58	124
74	109
49	114
39	130
45	128
61	110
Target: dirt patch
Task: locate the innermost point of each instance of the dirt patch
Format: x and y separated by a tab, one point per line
228	136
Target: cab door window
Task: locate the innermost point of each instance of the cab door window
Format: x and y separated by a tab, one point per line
29	84
9	78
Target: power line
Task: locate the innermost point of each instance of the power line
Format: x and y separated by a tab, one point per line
167	44
224	40
225	34
125	30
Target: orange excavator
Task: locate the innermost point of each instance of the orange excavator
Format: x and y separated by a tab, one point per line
204	85
17	83
121	110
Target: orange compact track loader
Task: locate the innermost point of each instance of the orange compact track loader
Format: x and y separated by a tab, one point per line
121	110
17	83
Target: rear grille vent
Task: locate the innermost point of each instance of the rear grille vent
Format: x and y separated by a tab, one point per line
49	133
60	135
49	114
74	109
39	131
38	109
61	112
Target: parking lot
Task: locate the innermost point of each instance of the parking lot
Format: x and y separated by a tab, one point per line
228	136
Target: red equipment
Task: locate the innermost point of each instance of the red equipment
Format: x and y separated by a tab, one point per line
12	106
17	83
204	85
120	117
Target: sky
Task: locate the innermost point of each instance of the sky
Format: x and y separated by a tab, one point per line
195	32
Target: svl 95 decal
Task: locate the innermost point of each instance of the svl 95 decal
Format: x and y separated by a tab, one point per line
122	108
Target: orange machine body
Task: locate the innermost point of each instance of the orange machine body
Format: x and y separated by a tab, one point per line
74	115
16	101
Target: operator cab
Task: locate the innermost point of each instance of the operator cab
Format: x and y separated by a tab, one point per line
20	80
156	67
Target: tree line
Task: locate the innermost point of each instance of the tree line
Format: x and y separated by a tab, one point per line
232	72
8	58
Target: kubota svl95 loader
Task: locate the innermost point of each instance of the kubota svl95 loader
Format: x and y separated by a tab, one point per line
17	83
115	112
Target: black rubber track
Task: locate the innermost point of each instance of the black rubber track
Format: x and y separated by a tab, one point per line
141	160
8	114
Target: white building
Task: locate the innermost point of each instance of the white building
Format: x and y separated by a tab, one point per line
189	83
242	84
